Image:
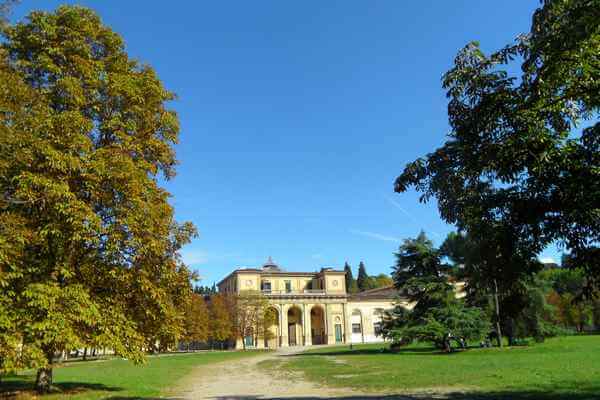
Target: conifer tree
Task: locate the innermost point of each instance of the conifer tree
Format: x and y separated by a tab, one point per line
363	278
349	278
437	316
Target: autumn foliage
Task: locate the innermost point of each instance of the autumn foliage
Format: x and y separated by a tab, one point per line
88	241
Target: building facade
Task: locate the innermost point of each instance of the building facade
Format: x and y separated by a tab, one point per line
312	308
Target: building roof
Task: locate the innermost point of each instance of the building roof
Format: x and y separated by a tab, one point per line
383	293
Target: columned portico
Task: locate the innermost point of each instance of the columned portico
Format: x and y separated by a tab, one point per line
309	321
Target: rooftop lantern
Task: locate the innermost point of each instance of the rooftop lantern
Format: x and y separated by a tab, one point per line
270	265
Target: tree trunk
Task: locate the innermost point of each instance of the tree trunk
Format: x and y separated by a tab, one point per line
43	381
497	304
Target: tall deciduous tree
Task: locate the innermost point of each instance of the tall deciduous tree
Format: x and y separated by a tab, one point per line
478	264
521	165
381	280
497	274
88	242
251	315
196	320
220	322
572	309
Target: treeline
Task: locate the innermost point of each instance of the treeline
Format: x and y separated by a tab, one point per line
208	319
217	320
549	302
563	291
205	290
364	281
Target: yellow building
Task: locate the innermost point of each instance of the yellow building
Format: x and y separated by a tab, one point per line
313	307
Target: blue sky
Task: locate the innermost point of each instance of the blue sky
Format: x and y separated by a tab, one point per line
296	117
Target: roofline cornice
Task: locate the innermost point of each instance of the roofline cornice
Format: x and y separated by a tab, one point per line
280	273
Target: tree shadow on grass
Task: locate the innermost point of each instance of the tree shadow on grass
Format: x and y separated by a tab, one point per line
17	387
22	386
139	398
357	352
524	395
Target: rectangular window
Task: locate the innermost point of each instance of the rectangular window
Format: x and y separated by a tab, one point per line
288	286
266	287
355	328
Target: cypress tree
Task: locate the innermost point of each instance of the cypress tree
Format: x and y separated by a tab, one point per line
349	277
363	279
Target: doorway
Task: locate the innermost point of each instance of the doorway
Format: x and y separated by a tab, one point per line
317	323
292	334
338	333
295	326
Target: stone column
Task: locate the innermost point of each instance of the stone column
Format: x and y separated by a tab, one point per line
347	325
260	342
344	323
307	325
284	329
362	326
279	331
329	328
238	343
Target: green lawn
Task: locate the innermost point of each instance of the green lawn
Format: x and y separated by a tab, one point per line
117	378
560	368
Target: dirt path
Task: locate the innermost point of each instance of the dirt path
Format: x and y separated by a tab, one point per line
245	380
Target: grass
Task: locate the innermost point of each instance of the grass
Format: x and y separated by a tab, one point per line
117	378
560	368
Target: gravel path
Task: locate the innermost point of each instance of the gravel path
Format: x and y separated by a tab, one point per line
244	380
